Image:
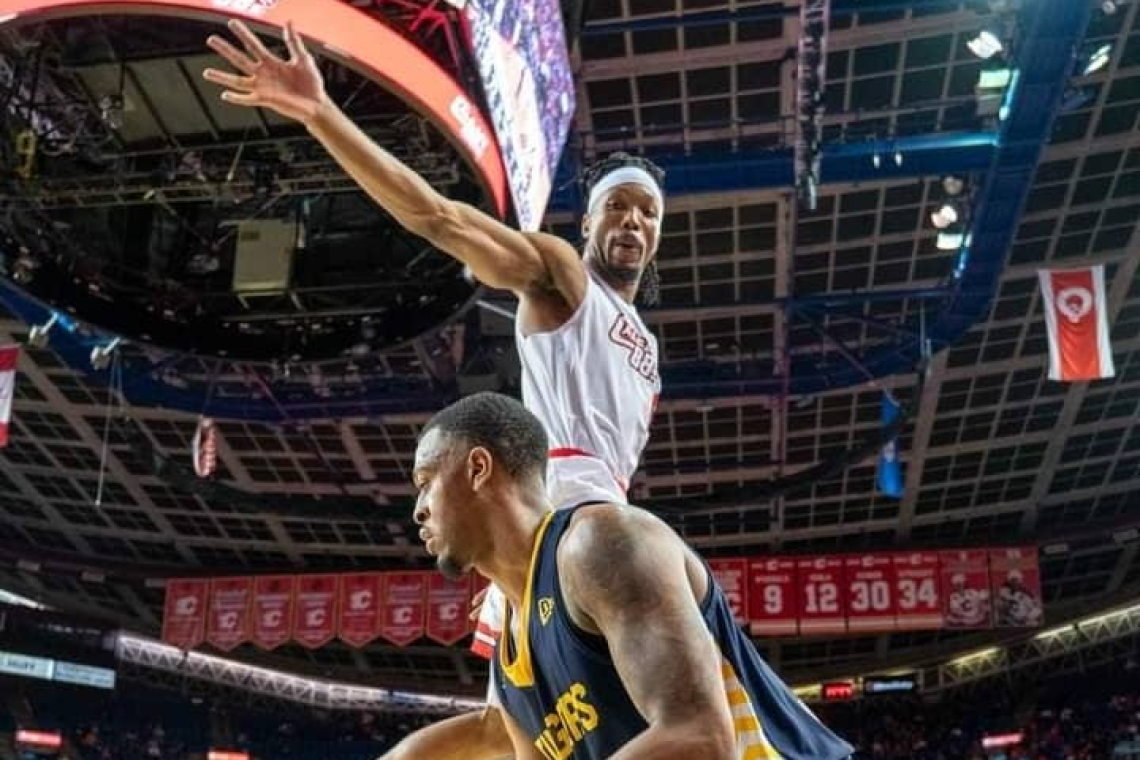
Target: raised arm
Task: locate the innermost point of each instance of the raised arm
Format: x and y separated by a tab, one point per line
624	575
498	255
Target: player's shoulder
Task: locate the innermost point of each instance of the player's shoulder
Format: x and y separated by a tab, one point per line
609	531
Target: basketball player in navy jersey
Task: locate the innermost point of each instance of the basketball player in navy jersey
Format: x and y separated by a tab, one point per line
618	642
589	365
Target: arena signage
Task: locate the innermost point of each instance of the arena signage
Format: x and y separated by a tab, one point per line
347	34
839	691
890	684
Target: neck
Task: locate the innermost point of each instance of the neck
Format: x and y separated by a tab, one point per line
508	562
627	289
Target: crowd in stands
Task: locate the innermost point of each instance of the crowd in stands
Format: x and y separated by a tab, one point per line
1098	721
1082	717
141	723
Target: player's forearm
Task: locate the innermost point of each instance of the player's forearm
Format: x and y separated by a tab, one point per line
471	736
387	180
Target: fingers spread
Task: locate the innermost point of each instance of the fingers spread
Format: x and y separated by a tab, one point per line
253	46
232	81
297	49
236	58
241	98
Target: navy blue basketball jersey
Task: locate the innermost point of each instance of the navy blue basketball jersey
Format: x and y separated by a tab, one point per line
560	685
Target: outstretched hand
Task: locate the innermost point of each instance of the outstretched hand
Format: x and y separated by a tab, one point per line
292	88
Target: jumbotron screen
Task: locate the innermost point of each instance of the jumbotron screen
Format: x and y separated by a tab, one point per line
525	69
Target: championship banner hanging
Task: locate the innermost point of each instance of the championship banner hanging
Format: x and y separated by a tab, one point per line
272	610
966	588
9	355
870	586
773	604
1076	315
184	615
1016	581
732	577
360	605
828	594
404	607
228	623
918	603
314	614
447	603
823	604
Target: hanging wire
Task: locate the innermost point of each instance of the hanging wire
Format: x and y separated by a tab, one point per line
114	387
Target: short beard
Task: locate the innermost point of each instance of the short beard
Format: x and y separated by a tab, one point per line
450	568
618	274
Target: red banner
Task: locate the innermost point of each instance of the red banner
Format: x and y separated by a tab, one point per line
732	577
823	605
314	615
966	589
1016	586
361	599
773	605
404	607
1076	320
870	584
184	615
272	610
447	611
918	603
228	624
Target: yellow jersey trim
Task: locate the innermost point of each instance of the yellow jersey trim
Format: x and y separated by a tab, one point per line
520	672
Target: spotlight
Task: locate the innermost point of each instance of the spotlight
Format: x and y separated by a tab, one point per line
946	215
1096	60
876	161
950	241
101	355
38	335
1109	7
952	185
898	158
986	45
994	78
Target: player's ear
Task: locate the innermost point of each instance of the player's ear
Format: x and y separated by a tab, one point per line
480	466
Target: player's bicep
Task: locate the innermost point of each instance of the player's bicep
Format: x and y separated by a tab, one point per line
628	577
498	255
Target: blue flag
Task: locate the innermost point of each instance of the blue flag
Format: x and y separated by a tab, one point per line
890	471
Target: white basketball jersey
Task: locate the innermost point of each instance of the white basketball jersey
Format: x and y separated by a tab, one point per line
593	383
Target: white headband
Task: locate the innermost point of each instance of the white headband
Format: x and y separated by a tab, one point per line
626	175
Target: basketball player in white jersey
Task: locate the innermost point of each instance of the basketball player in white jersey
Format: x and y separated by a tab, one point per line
589	365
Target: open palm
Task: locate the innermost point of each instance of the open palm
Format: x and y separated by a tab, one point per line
292	88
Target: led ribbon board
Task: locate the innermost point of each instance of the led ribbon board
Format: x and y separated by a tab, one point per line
520	49
347	34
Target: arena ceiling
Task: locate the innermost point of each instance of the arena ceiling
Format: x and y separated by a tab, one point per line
995	453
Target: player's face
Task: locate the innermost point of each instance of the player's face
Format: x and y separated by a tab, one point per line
444	509
624	231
